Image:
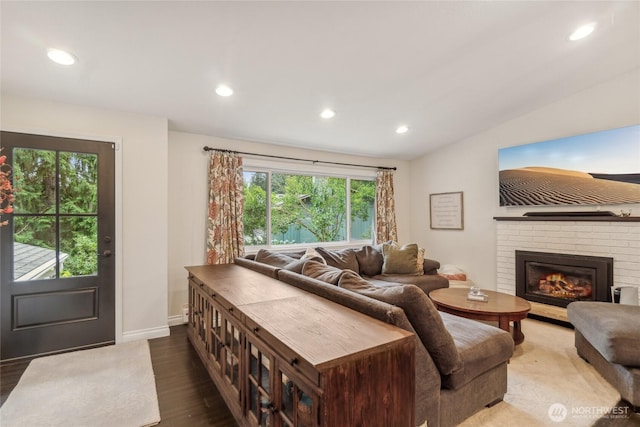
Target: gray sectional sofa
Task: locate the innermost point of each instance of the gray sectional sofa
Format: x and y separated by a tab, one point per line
461	364
608	337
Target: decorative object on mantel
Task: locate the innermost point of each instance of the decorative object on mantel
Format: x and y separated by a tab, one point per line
475	294
6	190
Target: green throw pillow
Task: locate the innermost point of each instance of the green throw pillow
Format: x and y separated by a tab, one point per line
402	260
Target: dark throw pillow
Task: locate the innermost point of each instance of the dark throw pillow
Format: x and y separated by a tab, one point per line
344	259
422	314
273	258
319	271
370	260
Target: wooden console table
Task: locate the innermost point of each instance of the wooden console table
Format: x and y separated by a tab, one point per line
502	308
281	356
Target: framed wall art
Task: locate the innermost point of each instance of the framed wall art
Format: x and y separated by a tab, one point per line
446	211
599	168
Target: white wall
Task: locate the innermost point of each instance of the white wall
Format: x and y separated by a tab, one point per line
188	198
471	166
143	201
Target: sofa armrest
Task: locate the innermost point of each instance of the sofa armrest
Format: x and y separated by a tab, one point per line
266	269
431	266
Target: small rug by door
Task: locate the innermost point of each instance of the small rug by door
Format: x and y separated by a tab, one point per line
106	386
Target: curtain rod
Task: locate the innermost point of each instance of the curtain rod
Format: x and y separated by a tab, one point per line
300	160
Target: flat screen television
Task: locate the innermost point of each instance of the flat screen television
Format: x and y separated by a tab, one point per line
600	168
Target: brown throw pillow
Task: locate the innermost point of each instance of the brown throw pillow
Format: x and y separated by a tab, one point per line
422	314
402	260
370	260
273	258
352	281
342	259
319	271
296	265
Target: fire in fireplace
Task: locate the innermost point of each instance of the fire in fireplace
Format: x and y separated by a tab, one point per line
559	279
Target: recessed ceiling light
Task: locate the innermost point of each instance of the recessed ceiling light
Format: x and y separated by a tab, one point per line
224	90
402	129
583	31
327	113
61	57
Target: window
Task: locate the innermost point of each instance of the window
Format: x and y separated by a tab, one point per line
289	208
56	215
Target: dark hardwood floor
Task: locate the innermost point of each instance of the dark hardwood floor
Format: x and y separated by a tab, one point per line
186	394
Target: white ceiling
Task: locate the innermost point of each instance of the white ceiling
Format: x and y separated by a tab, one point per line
447	70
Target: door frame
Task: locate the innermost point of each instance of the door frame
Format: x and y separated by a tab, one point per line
117	140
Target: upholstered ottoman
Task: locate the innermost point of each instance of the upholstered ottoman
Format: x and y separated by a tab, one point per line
608	337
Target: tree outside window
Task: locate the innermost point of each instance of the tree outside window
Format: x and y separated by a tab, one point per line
306	209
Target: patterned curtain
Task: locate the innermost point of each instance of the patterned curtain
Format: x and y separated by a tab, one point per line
385	208
225	239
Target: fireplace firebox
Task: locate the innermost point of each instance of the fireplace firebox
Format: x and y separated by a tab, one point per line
559	279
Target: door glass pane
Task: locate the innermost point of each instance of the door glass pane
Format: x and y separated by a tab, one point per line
254	362
34	181
305	409
264	376
34	248
79	241
287	397
78	183
253	398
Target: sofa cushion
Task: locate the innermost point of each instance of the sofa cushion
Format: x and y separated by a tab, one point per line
369	260
612	329
402	260
481	347
344	259
273	258
420	311
426	282
325	273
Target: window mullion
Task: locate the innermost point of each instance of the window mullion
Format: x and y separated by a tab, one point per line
268	231
348	202
57	221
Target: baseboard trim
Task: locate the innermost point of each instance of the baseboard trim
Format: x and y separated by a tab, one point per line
146	334
176	320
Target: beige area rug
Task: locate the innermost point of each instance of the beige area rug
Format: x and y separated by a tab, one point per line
106	386
550	385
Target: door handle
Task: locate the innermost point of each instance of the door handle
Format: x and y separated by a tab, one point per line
106	253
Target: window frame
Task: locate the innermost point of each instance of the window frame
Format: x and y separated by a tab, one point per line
347	173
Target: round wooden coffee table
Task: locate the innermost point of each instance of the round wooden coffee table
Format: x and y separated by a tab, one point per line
501	308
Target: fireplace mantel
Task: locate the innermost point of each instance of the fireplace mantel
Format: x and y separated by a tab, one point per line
570	218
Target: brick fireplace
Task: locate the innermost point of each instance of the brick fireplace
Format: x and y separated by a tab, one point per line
612	237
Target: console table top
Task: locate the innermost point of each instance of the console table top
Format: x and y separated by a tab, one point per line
321	331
